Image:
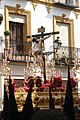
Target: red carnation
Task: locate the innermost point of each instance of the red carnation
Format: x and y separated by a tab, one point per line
73	82
57	81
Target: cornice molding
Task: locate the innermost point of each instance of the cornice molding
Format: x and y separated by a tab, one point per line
34	5
47	4
51	3
48	9
76	14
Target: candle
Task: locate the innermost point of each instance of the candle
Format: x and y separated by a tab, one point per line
24	73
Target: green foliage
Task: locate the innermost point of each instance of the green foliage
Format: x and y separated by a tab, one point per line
7	32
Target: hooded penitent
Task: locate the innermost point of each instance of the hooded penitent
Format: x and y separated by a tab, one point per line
28	110
5	107
68	105
51	100
12	110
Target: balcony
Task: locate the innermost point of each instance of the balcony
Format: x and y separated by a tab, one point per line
67	55
19	57
62	56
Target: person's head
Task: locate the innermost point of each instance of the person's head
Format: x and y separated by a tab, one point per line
49	114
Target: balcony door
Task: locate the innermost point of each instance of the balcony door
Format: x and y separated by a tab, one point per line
64	34
16	41
20	25
65	26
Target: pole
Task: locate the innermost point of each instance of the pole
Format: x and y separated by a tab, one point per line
42	30
44	69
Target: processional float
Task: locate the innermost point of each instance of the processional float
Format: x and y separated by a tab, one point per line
37	62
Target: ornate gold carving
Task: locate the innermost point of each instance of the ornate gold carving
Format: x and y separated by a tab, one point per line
20	96
34	5
35	98
18	7
48	9
63	15
76	14
41	99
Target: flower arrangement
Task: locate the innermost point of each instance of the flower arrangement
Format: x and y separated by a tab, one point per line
57	81
73	82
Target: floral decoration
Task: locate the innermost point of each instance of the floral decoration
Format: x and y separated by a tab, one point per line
57	81
73	82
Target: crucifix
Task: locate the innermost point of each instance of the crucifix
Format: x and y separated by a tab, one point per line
42	30
41	39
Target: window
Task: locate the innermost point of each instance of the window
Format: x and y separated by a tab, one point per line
16	41
70	2
19	22
66	28
64	35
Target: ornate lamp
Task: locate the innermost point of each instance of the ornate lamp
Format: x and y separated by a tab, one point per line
57	44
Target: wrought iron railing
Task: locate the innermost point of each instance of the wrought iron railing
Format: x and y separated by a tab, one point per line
63	55
67	55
